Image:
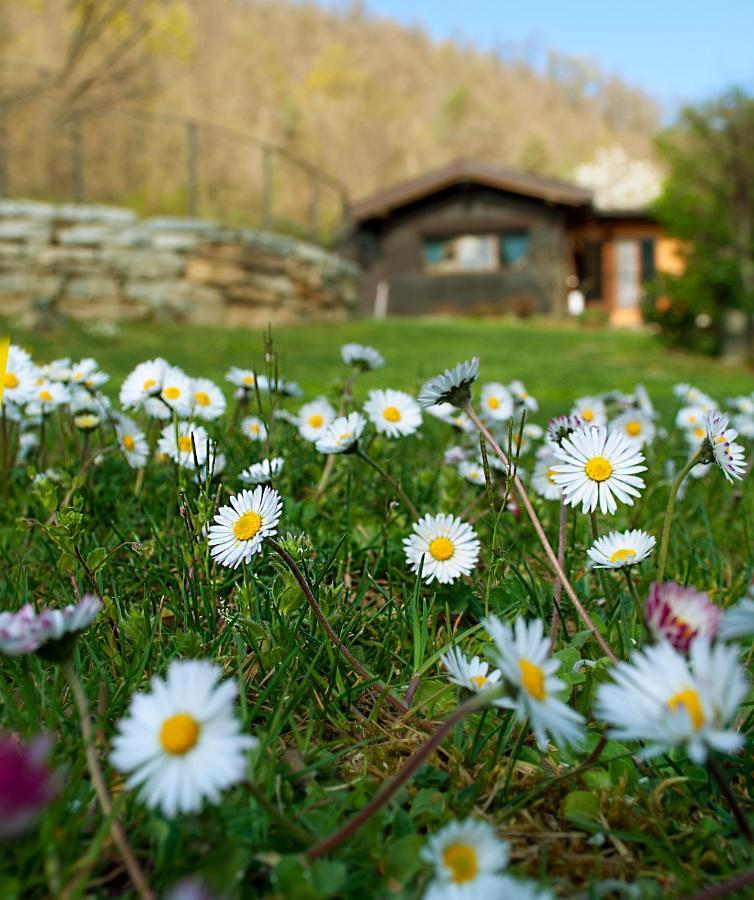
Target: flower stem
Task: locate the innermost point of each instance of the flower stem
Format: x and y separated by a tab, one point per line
409	768
317	609
558	590
549	552
100	788
716	771
635	597
663	555
362	454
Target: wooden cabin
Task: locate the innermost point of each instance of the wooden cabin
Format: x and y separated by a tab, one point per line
479	239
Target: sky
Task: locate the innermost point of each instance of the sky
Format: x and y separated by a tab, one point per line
677	50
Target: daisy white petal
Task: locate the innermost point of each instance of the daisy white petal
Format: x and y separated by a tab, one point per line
393	413
620	549
443	546
453	386
240	528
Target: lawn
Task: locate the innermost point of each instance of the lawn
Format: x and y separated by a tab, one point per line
557	362
347	756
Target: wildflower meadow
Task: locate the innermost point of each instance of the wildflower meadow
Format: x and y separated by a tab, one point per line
408	642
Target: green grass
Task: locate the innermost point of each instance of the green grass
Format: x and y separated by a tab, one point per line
557	362
328	737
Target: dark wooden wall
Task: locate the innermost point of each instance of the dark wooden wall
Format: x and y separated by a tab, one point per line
392	249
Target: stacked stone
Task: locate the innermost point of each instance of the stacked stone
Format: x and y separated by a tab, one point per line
104	263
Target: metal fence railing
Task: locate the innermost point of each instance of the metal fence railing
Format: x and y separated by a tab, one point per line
161	164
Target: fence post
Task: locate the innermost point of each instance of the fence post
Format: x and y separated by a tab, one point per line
77	162
192	151
266	187
313	206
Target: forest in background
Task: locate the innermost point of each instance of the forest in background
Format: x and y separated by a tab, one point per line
362	97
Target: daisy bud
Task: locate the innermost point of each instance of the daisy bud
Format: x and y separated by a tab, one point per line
26	783
680	614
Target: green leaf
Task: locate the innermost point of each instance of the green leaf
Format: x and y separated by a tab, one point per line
95	558
581	807
403	859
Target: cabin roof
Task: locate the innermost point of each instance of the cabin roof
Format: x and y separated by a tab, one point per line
469	171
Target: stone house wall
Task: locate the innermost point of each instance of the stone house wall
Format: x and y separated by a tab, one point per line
104	263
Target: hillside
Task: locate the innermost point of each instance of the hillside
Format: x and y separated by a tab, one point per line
363	97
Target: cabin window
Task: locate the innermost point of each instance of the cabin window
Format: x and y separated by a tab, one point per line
647	259
475	252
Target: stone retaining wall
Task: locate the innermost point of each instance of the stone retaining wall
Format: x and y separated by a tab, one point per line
104	263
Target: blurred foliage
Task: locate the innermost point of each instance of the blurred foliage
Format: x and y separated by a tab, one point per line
708	203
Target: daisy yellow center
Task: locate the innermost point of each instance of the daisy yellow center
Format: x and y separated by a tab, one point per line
247	526
532	679
441	548
392	413
598	468
254	428
202	398
179	734
149	383
10	380
248	379
344	437
690	700
493	403
128	442
720	440
184	443
699	432
633	429
550	473
587	415
316	421
462	862
623	555
478	681
46	396
172	393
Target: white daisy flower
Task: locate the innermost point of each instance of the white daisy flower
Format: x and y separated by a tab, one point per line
313	418
744	405
523	654
453	455
27	442
86	421
46	397
692	396
643	402
522	440
182	743
620	549
393	413
87	374
522	398
361	357
247	380
472	471
488	887
20	377
562	427
690	417
176	391
143	382
207	400
176	443
595	468
254	428
262	472
681	614
744	425
738	620
453	386
666	700
721	447
443	547
542	478
497	402
591	411
132	442
342	434
473	674
239	529
51	632
448	413
635	426
463	852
